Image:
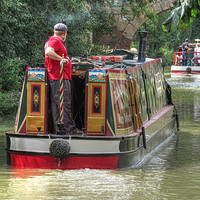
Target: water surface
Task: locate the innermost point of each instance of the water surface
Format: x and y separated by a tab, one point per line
173	172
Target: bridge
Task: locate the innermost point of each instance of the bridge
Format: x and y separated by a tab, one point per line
125	29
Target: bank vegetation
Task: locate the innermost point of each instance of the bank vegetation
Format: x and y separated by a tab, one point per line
27	24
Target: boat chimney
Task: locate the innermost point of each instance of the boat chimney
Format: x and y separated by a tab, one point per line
142	47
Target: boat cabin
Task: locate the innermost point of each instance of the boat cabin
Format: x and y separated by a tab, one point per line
109	98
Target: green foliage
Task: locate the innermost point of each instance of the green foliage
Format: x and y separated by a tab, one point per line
137	8
10	84
11	74
167	55
9	102
163	45
19	25
182	16
27	24
100	50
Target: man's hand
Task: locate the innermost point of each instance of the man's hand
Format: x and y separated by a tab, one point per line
65	61
50	52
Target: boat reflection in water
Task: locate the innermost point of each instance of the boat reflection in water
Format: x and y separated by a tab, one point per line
121	102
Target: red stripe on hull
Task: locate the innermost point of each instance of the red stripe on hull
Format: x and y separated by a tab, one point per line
184	72
49	162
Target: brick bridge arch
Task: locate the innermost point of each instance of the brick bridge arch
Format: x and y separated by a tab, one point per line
125	30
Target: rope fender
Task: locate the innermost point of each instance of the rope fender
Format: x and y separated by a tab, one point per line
188	69
59	148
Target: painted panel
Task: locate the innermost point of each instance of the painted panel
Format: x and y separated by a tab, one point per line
97	99
96	109
150	77
160	87
136	75
36	74
149	81
120	100
155	86
35	107
35	98
137	116
96	75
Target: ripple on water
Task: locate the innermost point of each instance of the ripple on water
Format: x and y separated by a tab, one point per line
189	82
173	172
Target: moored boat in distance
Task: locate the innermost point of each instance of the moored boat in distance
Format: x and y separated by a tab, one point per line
192	62
121	103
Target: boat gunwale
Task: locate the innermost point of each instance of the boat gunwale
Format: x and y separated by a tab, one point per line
12	134
96	154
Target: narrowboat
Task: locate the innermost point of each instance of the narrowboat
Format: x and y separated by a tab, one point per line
120	101
192	64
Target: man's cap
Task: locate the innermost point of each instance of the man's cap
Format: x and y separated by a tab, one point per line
60	27
186	39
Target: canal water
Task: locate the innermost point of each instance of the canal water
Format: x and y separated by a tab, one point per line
173	172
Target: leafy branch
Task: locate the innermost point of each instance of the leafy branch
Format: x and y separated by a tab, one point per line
182	16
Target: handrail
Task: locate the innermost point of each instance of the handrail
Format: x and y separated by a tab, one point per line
193	58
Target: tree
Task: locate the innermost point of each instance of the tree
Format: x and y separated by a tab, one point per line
27	24
182	16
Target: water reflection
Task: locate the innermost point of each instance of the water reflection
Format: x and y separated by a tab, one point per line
186	96
196	108
87	184
173	172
